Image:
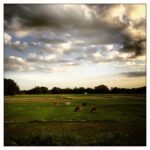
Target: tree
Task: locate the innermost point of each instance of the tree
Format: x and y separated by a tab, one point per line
79	90
10	87
44	90
38	90
66	91
101	89
89	90
116	90
56	90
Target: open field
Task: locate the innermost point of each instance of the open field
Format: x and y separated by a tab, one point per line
35	120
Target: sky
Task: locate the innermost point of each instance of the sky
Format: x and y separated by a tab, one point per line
75	45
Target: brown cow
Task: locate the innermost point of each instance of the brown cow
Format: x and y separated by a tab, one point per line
78	108
56	103
93	109
84	104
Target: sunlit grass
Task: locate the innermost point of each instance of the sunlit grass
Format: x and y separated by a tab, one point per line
35	120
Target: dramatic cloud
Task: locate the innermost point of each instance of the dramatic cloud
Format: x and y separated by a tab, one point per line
15	64
56	38
85	24
134	74
138	47
51	16
36	62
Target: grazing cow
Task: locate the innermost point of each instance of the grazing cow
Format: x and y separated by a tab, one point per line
78	108
56	103
93	109
67	103
84	104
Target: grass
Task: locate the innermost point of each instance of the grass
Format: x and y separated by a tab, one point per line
34	120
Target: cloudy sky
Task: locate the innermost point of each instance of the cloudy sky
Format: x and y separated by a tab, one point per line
75	45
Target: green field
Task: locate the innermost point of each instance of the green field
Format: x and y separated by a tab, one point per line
35	120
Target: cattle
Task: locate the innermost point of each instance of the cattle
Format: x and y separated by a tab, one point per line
67	103
84	104
78	108
93	109
56	103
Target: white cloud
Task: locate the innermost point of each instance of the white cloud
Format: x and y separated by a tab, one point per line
131	65
97	55
7	38
113	54
22	33
19	60
15	64
19	45
125	55
38	58
108	47
50	57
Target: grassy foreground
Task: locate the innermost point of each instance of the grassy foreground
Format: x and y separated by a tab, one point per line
35	120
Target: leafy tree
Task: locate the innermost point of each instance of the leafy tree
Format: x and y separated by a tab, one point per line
38	90
116	90
80	90
44	90
89	91
101	89
66	91
139	90
56	90
10	87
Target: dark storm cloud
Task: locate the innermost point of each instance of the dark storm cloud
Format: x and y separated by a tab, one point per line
88	20
134	74
134	43
127	32
59	17
37	15
79	32
138	47
27	16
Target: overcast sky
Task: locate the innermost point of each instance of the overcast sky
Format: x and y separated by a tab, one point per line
75	45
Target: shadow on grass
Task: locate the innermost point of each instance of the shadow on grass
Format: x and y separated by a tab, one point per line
68	139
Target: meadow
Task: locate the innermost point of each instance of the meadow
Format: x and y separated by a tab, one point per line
32	120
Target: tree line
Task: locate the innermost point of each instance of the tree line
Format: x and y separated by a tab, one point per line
11	88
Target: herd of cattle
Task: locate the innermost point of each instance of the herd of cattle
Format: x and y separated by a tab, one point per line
77	108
